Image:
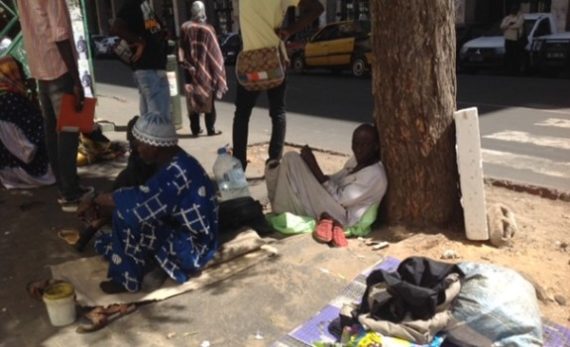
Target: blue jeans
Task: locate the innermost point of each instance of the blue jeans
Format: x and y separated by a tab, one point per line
61	147
245	101
154	92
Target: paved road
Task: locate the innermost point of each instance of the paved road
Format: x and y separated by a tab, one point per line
524	122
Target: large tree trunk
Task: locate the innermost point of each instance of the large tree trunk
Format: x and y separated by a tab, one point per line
414	91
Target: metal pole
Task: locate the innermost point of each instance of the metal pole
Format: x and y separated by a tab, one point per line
177	20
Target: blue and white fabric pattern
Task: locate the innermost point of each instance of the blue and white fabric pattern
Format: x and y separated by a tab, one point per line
173	219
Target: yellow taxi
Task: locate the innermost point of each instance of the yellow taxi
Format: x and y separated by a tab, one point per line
341	45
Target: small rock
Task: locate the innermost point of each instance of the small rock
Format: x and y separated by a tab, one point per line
450	254
205	343
258	336
564	246
4	309
560	299
170	335
486	258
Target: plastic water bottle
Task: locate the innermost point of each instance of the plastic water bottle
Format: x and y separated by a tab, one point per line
230	177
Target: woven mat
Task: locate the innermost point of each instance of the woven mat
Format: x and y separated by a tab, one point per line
317	327
244	251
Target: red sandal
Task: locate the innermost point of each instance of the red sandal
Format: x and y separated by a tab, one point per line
338	238
324	231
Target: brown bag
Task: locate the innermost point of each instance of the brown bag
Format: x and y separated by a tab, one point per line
261	69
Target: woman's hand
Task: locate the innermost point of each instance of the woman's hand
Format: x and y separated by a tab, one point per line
87	210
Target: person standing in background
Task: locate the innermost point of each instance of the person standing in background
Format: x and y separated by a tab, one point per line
512	26
204	69
48	41
260	25
138	24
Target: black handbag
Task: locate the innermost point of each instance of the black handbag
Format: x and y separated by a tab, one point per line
242	212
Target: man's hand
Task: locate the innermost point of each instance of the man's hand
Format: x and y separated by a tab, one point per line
79	96
308	156
283	34
138	48
189	88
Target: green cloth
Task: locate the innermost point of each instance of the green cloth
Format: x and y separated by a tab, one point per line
289	224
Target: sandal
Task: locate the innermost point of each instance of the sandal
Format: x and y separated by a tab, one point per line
324	231
338	238
100	317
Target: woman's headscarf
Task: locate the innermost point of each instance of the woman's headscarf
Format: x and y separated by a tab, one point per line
11	79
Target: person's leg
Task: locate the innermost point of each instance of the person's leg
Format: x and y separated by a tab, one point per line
138	76
276	98
65	149
155	93
295	189
50	123
194	123
211	121
194	118
245	101
510	58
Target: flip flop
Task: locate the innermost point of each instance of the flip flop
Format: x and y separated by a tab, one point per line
100	317
338	238
324	231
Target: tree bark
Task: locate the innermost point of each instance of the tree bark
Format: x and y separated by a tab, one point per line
414	90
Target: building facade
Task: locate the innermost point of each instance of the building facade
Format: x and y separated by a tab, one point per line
223	14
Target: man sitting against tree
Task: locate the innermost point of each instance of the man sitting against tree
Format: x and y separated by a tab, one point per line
298	185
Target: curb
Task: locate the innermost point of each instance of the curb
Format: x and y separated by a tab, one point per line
543	192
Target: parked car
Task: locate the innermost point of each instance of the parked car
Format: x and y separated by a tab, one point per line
489	50
551	53
102	46
296	43
230	45
337	46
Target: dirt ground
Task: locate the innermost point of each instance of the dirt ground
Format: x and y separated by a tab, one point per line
540	249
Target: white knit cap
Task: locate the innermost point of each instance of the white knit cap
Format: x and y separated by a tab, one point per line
155	130
198	11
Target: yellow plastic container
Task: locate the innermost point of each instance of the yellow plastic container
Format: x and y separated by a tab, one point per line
60	303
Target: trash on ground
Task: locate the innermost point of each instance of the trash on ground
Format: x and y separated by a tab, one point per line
380	245
450	254
71	236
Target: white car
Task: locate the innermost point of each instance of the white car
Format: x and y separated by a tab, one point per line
489	50
103	45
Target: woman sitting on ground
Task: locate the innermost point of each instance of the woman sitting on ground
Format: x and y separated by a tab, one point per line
298	185
23	154
169	223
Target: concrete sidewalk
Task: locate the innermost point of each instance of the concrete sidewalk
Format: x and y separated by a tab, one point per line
265	301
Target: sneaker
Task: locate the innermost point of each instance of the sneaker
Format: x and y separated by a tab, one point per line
71	205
